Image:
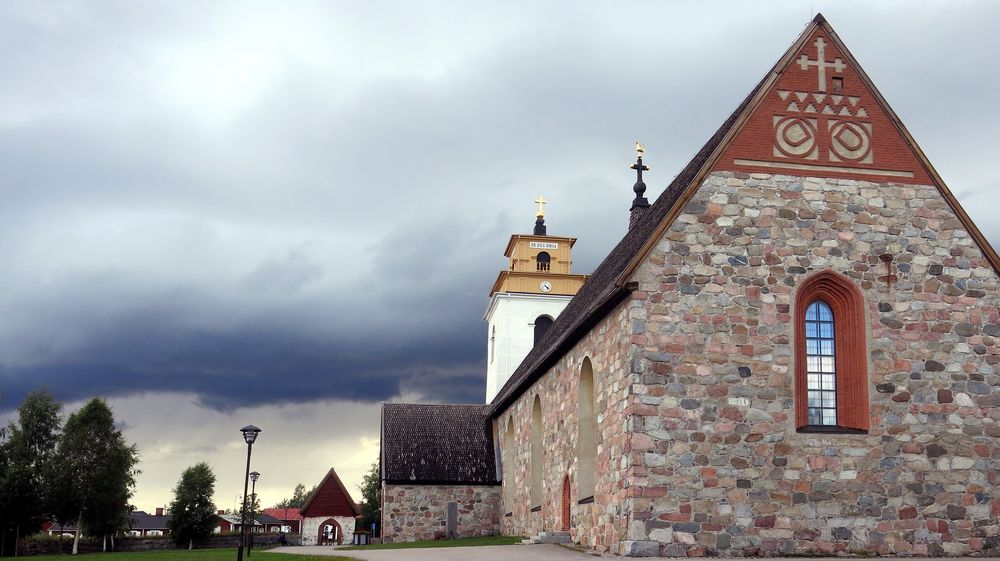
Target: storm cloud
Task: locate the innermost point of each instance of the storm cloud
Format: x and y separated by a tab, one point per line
255	204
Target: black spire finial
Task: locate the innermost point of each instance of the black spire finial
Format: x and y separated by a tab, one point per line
639	204
640	186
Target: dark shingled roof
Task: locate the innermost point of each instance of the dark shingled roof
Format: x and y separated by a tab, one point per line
437	444
604	289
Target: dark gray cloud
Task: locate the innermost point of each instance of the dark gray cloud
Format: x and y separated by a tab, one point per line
255	204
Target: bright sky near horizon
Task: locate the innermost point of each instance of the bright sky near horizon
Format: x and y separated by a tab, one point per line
285	213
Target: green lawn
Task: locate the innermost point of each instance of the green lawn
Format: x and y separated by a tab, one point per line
185	555
460	542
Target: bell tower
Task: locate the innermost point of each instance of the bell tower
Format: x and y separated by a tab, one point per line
526	298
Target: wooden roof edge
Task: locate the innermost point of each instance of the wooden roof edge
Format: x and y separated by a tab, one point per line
560	347
757	97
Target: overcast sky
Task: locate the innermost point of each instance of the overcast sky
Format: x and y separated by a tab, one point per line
224	213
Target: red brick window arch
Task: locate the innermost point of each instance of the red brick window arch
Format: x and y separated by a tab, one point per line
831	359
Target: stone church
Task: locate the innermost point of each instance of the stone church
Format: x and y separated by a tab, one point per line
794	349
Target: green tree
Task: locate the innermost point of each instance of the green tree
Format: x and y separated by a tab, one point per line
192	512
28	453
371	494
96	473
299	497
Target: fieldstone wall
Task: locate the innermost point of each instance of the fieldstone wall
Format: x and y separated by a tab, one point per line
602	523
420	512
717	466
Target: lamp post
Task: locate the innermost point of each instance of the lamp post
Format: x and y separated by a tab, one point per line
254	476
250	433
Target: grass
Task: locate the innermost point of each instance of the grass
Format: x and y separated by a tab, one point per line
460	542
185	555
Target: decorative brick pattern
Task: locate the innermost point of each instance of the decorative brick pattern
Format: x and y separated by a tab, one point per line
420	512
715	464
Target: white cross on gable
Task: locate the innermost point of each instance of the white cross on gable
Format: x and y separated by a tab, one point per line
821	64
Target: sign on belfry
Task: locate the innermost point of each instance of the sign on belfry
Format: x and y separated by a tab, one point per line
543	245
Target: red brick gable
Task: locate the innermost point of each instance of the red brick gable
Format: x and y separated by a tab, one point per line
330	499
822	117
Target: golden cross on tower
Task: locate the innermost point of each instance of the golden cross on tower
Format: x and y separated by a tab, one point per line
540	201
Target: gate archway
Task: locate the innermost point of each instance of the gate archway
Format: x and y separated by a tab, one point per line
335	536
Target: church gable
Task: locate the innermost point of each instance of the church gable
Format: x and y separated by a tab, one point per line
330	499
822	117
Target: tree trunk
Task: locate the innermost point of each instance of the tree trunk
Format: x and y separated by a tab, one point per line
104	544
76	536
17	539
112	542
190	544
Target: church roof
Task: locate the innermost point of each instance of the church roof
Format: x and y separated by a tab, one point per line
330	499
602	291
437	444
609	284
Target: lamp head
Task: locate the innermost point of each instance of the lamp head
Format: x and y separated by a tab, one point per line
250	433
254	476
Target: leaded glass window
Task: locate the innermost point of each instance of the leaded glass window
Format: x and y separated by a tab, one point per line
821	371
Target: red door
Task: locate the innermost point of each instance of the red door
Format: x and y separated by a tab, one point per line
565	504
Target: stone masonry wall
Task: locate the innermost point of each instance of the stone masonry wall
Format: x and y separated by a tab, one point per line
420	512
600	524
718	466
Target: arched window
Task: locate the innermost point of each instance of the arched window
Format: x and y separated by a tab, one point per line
508	466
586	452
536	455
831	361
542	324
821	365
543	260
493	342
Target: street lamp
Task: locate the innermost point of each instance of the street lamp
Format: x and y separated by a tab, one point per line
250	433
254	476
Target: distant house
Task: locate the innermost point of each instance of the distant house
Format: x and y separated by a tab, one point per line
53	528
231	523
269	524
290	518
145	524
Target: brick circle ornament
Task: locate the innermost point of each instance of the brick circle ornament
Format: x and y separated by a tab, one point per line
795	136
850	141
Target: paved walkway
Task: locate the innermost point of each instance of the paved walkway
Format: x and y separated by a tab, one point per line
479	553
509	553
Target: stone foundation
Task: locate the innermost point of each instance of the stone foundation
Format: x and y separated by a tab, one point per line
420	512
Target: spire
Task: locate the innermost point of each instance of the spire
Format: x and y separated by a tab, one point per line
639	204
540	217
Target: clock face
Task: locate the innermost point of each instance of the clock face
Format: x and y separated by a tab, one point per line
546	286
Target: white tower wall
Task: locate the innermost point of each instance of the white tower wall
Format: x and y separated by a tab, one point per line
510	332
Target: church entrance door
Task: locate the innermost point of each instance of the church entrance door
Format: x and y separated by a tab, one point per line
565	504
330	533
